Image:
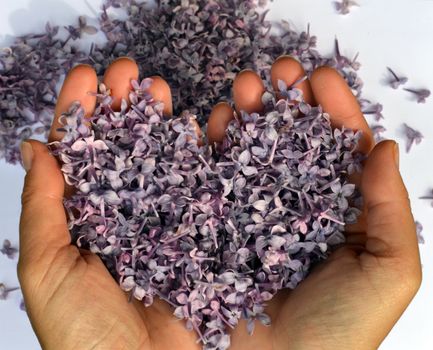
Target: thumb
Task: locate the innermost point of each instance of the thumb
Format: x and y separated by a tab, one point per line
43	224
391	229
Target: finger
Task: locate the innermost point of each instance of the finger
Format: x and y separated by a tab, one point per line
334	95
218	121
160	91
118	78
289	70
390	226
81	80
43	226
248	90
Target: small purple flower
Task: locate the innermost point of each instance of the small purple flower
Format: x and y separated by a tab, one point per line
375	110
419	229
291	93
412	137
23	305
396	80
4	291
420	94
429	197
85	28
8	250
343	62
377	132
344	6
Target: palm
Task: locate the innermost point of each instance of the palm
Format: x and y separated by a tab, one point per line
90	297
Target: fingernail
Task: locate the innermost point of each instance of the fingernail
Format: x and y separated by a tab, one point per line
26	155
397	155
125	58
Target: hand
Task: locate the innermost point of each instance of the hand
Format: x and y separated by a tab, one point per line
73	302
353	299
71	299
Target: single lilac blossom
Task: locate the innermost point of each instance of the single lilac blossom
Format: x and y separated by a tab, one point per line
419	229
420	94
429	197
8	250
412	137
396	80
4	291
375	110
344	6
378	130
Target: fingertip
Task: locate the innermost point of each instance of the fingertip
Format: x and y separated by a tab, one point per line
218	121
289	70
160	91
118	78
248	89
322	74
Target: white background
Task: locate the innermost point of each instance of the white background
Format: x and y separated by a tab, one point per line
397	33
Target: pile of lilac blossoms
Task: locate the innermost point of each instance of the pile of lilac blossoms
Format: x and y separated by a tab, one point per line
216	234
197	45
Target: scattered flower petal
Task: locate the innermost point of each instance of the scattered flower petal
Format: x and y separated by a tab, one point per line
420	94
412	137
344	6
419	229
396	80
8	250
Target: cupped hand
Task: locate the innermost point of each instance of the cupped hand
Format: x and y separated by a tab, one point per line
352	300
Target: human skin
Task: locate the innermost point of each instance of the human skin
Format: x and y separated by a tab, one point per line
350	301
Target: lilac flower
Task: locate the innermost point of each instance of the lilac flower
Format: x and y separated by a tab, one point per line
4	291
23	306
342	62
396	80
8	250
419	229
420	94
291	93
344	6
412	137
429	197
85	28
377	132
375	110
76	32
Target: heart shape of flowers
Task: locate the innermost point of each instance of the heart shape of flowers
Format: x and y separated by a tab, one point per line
215	230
